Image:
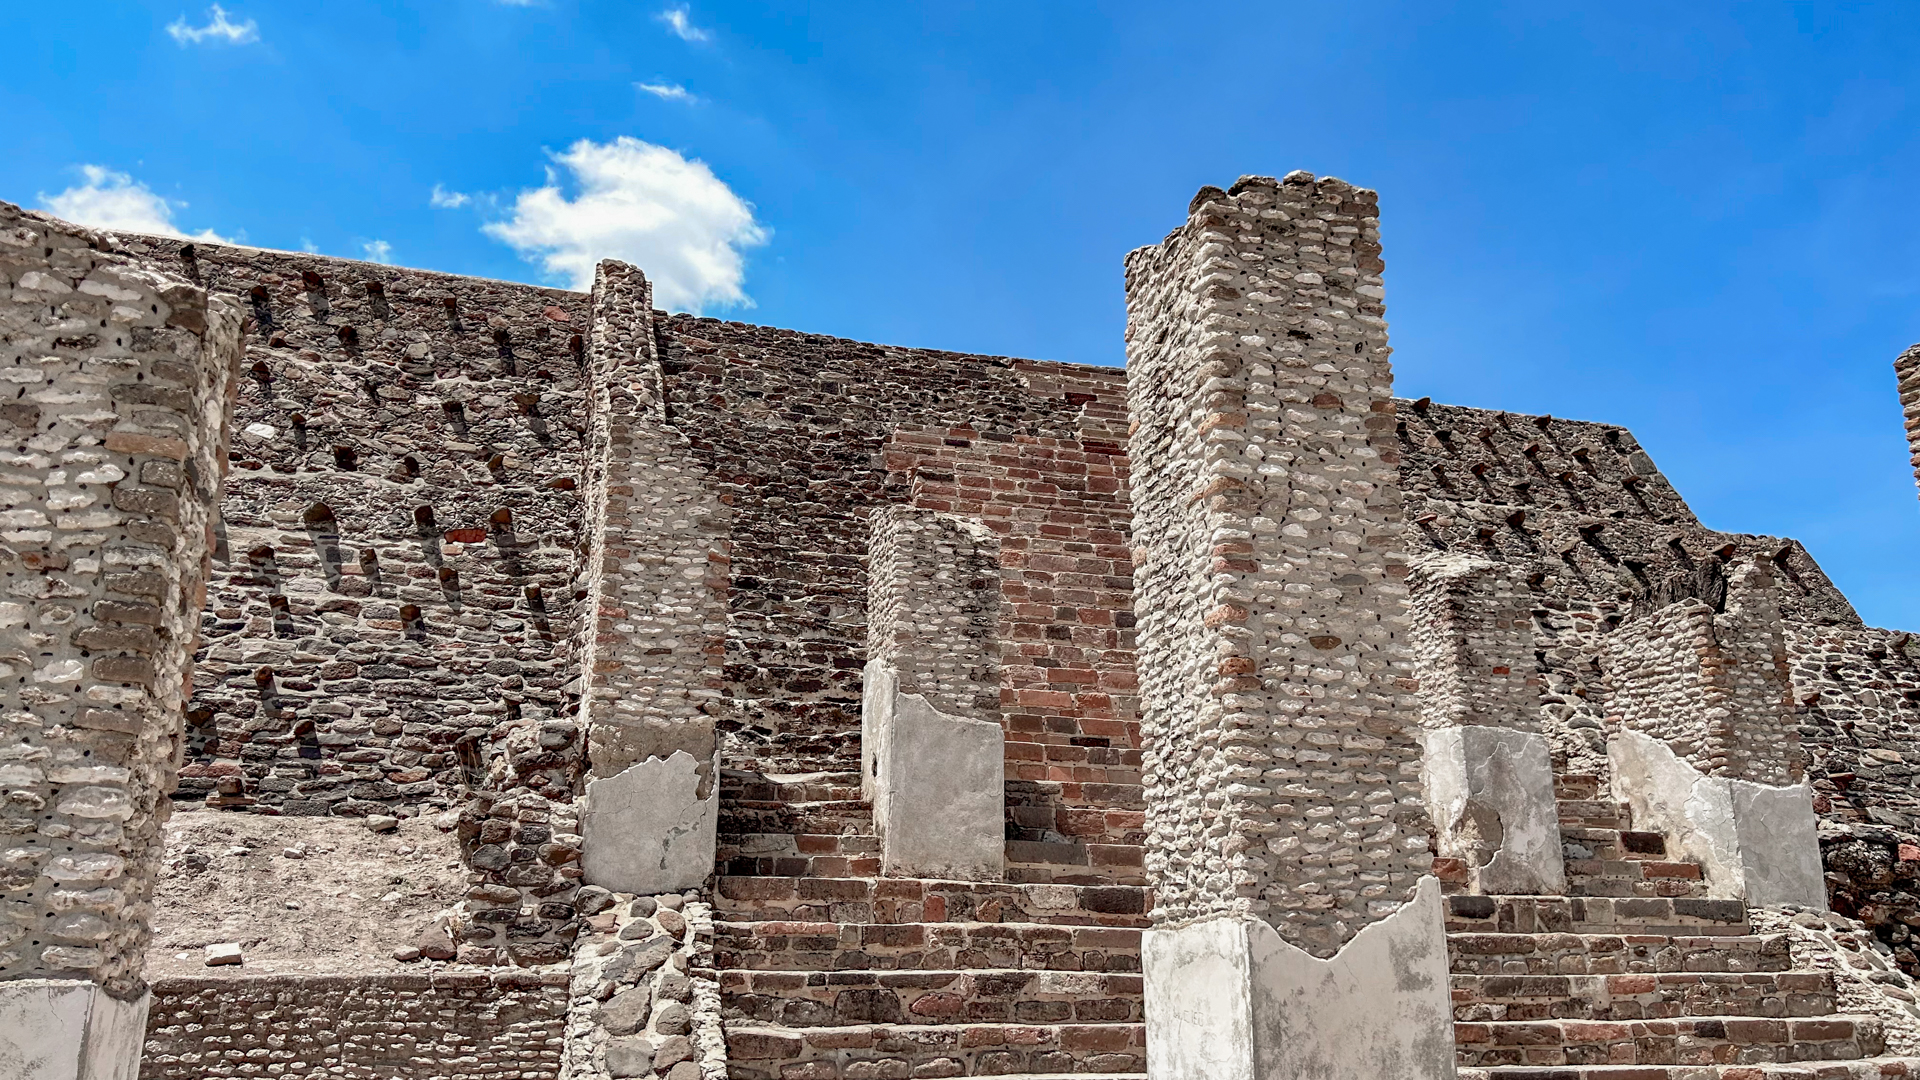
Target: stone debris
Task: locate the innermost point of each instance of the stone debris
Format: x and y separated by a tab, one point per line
222	954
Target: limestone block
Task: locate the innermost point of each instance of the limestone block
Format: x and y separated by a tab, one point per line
68	1029
1490	791
1228	999
1754	842
937	784
647	830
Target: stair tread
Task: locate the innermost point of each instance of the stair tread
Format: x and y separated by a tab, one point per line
1796	1070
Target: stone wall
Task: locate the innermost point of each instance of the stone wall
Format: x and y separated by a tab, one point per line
437	1025
1906	370
109	476
1712	684
934	607
1068	691
1473	644
393	589
1282	767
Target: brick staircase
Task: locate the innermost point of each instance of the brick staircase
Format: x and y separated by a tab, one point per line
828	970
1638	976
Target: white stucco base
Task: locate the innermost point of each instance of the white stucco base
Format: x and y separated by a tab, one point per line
1754	842
1229	999
1490	793
937	783
67	1029
645	830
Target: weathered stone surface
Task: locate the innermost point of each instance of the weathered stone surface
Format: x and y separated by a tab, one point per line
1228	998
1753	842
1490	792
68	1029
647	829
936	782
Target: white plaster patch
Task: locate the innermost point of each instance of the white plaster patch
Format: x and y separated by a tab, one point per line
68	1029
645	830
1229	999
938	784
1491	789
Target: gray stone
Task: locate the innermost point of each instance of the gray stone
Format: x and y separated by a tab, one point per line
223	954
1490	791
938	785
631	1055
382	822
1228	999
68	1029
672	1018
626	1012
647	830
592	900
673	1051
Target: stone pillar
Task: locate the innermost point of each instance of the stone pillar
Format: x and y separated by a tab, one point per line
1489	771
656	611
1906	371
932	750
1297	930
114	450
1708	752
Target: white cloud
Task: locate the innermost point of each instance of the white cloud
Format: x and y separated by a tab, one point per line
666	91
307	245
218	28
643	204
443	199
378	251
677	20
116	201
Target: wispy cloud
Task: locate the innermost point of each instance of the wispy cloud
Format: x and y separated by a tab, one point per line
105	199
378	251
644	204
442	199
307	245
666	91
680	22
219	28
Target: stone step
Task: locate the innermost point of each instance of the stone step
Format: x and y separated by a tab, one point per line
826	818
1615	954
1594	915
761	1052
799	855
736	785
1615	844
1577	787
1879	1068
974	996
916	900
827	946
1692	1040
1592	814
1771	994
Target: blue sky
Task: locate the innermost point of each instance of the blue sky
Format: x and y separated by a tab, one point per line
1694	219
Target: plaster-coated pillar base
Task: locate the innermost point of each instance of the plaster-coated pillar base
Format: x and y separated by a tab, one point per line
937	783
1228	999
1490	791
645	830
1754	842
67	1029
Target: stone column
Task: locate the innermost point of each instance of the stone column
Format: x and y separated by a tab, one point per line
1906	372
1297	930
112	452
1489	771
1708	752
656	582
932	749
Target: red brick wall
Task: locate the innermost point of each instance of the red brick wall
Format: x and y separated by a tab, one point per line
1059	506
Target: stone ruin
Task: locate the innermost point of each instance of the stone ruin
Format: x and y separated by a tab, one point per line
807	709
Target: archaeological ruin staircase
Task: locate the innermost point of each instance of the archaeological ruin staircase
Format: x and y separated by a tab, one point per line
1638	976
830	971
